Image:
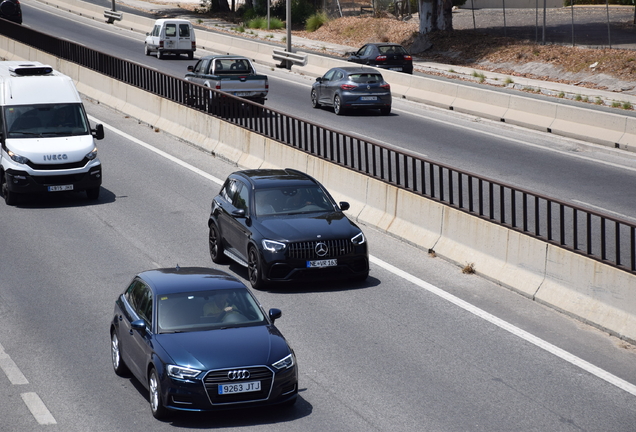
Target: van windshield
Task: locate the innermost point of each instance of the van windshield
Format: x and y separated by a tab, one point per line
25	121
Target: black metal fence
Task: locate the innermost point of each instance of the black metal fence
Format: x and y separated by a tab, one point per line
599	236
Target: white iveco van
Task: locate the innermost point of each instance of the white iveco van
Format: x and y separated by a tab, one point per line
47	143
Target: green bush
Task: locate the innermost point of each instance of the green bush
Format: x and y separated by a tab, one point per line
315	21
261	23
301	10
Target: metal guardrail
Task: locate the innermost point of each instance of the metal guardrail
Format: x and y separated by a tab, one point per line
599	236
286	57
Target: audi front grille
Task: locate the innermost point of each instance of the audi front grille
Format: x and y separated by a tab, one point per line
260	373
307	250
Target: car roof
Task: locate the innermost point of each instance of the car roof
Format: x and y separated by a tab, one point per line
223	56
188	279
270	178
358	69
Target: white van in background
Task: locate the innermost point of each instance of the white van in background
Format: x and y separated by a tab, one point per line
47	143
171	36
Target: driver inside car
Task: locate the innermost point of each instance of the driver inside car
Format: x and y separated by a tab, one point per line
219	306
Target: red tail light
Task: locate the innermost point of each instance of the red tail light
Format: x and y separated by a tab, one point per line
380	58
386	86
194	45
408	57
218	87
161	43
347	86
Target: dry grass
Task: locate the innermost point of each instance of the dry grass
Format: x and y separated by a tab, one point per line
469	48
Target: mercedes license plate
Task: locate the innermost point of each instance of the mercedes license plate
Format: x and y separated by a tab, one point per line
396	69
244	387
322	263
60	188
368	98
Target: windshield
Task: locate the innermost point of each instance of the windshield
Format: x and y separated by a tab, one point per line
292	200
25	121
207	310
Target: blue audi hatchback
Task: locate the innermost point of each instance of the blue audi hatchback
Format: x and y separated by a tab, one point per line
198	340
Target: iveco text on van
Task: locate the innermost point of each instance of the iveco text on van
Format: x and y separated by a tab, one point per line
47	143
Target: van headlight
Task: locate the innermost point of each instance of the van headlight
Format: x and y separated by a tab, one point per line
17	158
92	155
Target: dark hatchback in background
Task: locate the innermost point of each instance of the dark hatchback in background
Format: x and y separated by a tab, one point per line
384	55
283	225
346	88
11	10
198	340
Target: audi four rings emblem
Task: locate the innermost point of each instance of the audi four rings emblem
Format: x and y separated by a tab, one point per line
238	374
321	249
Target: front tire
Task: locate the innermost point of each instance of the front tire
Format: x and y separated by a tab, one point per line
337	105
159	411
314	99
118	364
254	269
216	245
10	198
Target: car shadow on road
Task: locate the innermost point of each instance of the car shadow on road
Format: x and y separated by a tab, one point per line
297	287
63	199
232	418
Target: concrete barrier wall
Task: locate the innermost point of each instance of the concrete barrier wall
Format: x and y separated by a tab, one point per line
588	290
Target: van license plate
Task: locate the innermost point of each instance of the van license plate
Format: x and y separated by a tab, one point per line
60	188
322	263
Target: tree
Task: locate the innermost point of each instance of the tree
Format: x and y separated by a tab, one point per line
435	15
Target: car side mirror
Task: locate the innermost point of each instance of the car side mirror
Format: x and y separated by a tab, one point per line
139	325
190	68
319	79
147	33
344	206
98	132
274	314
239	213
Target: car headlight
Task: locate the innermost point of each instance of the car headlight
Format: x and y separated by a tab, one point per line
273	246
284	363
180	372
17	158
92	155
358	239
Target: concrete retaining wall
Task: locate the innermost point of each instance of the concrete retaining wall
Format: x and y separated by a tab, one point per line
590	291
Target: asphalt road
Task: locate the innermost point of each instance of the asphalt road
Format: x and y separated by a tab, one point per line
586	175
388	354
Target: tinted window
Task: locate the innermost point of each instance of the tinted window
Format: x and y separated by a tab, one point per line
329	74
229	190
207	310
368	78
291	200
171	30
184	30
242	199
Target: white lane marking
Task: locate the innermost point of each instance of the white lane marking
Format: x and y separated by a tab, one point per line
10	369
42	415
594	370
570	358
605	210
159	152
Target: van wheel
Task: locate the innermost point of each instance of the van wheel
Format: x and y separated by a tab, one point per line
92	194
160	54
10	198
190	55
146	50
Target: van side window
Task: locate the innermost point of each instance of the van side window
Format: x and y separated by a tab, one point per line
171	30
155	30
184	30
